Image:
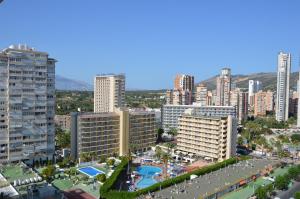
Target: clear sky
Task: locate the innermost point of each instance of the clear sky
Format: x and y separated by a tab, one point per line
153	40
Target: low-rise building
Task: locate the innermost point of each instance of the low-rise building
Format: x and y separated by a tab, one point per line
212	138
63	121
171	113
106	134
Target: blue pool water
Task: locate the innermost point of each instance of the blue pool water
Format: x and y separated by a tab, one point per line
147	173
90	171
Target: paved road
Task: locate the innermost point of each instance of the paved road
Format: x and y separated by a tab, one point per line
290	193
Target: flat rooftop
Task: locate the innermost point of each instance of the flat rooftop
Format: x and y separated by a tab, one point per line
213	182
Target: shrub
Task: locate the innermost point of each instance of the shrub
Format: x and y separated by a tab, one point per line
110	162
107	186
106	191
101	177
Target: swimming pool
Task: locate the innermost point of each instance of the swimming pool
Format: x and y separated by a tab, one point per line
90	171
147	173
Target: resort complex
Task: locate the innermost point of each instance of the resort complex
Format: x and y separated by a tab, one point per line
125	109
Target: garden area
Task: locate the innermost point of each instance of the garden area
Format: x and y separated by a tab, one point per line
87	176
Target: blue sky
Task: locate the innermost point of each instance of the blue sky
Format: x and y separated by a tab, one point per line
153	40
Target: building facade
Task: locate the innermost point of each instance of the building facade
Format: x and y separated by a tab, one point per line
171	113
184	82
212	138
223	87
239	99
263	103
27	104
63	121
109	92
283	86
201	95
112	133
254	87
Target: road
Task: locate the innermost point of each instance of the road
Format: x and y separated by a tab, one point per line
290	193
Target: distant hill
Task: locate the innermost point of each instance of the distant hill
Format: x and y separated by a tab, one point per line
269	80
63	83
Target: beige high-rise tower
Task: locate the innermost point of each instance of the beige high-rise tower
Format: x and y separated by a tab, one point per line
224	87
109	92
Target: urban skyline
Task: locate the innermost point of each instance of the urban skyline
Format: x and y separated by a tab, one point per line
172	113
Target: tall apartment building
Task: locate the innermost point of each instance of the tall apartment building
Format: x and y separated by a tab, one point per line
169	97
298	92
263	102
213	138
254	87
63	121
201	95
283	86
171	113
112	132
27	104
109	92
293	104
239	99
224	87
184	82
210	100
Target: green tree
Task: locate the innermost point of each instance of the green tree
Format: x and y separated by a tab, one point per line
63	140
158	152
297	195
160	132
240	140
261	193
110	161
281	182
295	138
48	172
101	177
293	172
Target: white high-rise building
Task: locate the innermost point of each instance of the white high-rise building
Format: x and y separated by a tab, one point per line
109	92
27	105
283	86
254	87
298	92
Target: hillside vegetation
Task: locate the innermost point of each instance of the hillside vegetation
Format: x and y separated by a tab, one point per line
269	80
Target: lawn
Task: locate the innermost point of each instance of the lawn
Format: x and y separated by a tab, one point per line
16	172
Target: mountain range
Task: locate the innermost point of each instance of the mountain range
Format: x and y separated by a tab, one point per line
63	83
268	79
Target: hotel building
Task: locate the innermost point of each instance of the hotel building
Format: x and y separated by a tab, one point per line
112	133
109	92
212	138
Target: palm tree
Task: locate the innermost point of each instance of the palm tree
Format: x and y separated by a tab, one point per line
165	158
158	152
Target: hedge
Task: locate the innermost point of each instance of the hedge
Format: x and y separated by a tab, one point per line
108	185
113	194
